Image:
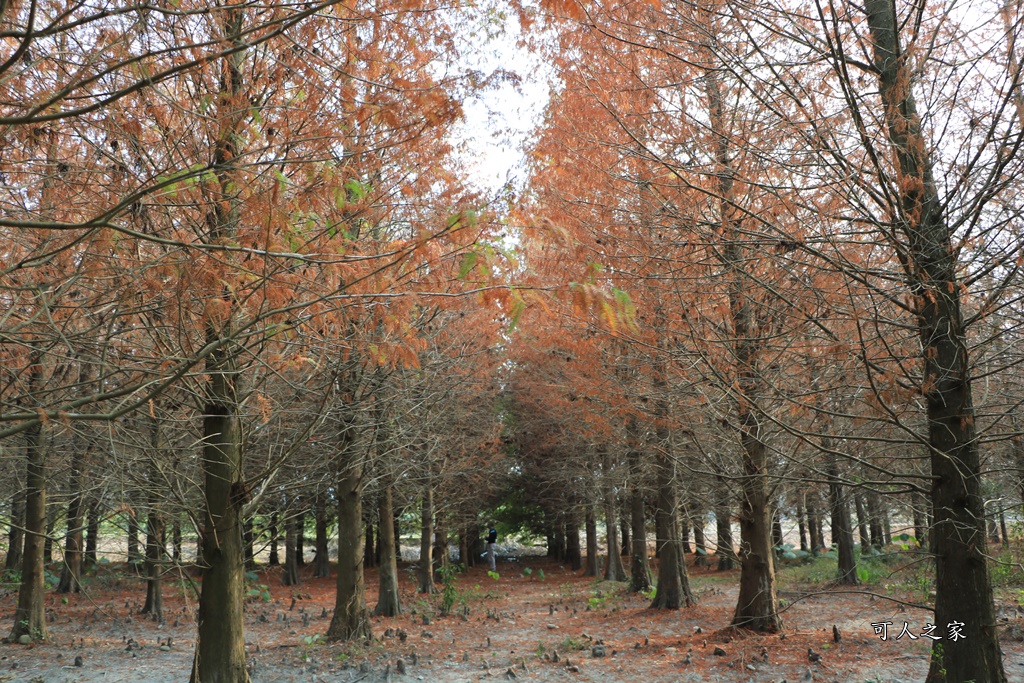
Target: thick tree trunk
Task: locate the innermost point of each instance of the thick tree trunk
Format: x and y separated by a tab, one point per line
426	567
16	534
625	526
441	556
591	528
154	557
673	583
29	618
322	559
389	603
813	523
351	615
962	586
92	532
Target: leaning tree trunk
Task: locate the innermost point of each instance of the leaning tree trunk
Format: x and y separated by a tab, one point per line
29	618
351	615
673	583
963	591
389	603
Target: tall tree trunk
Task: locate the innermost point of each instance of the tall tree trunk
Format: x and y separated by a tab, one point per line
389	602
51	524
220	646
640	571
591	528
29	618
248	545
16	535
71	569
92	532
757	604
801	520
625	526
962	586
862	523
699	542
155	546
842	528
572	541
291	565
134	528
369	549
322	559
874	520
351	615
176	540
300	538
274	534
613	569
813	522
673	583
426	568
725	550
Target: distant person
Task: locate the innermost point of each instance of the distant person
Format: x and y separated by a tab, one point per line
492	541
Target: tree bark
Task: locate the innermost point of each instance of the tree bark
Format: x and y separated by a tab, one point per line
801	519
842	528
426	568
572	541
29	618
699	542
92	531
71	569
673	589
322	559
962	586
351	615
389	602
640	571
291	565
16	535
725	551
300	538
862	523
591	529
274	534
613	569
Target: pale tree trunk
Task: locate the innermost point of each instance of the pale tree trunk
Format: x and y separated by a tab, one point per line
29	618
389	603
962	586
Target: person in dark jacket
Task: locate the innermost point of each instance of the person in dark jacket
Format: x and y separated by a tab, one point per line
492	540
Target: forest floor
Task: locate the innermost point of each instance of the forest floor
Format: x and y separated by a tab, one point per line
505	628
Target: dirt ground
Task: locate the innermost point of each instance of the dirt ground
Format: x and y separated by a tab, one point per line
509	628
